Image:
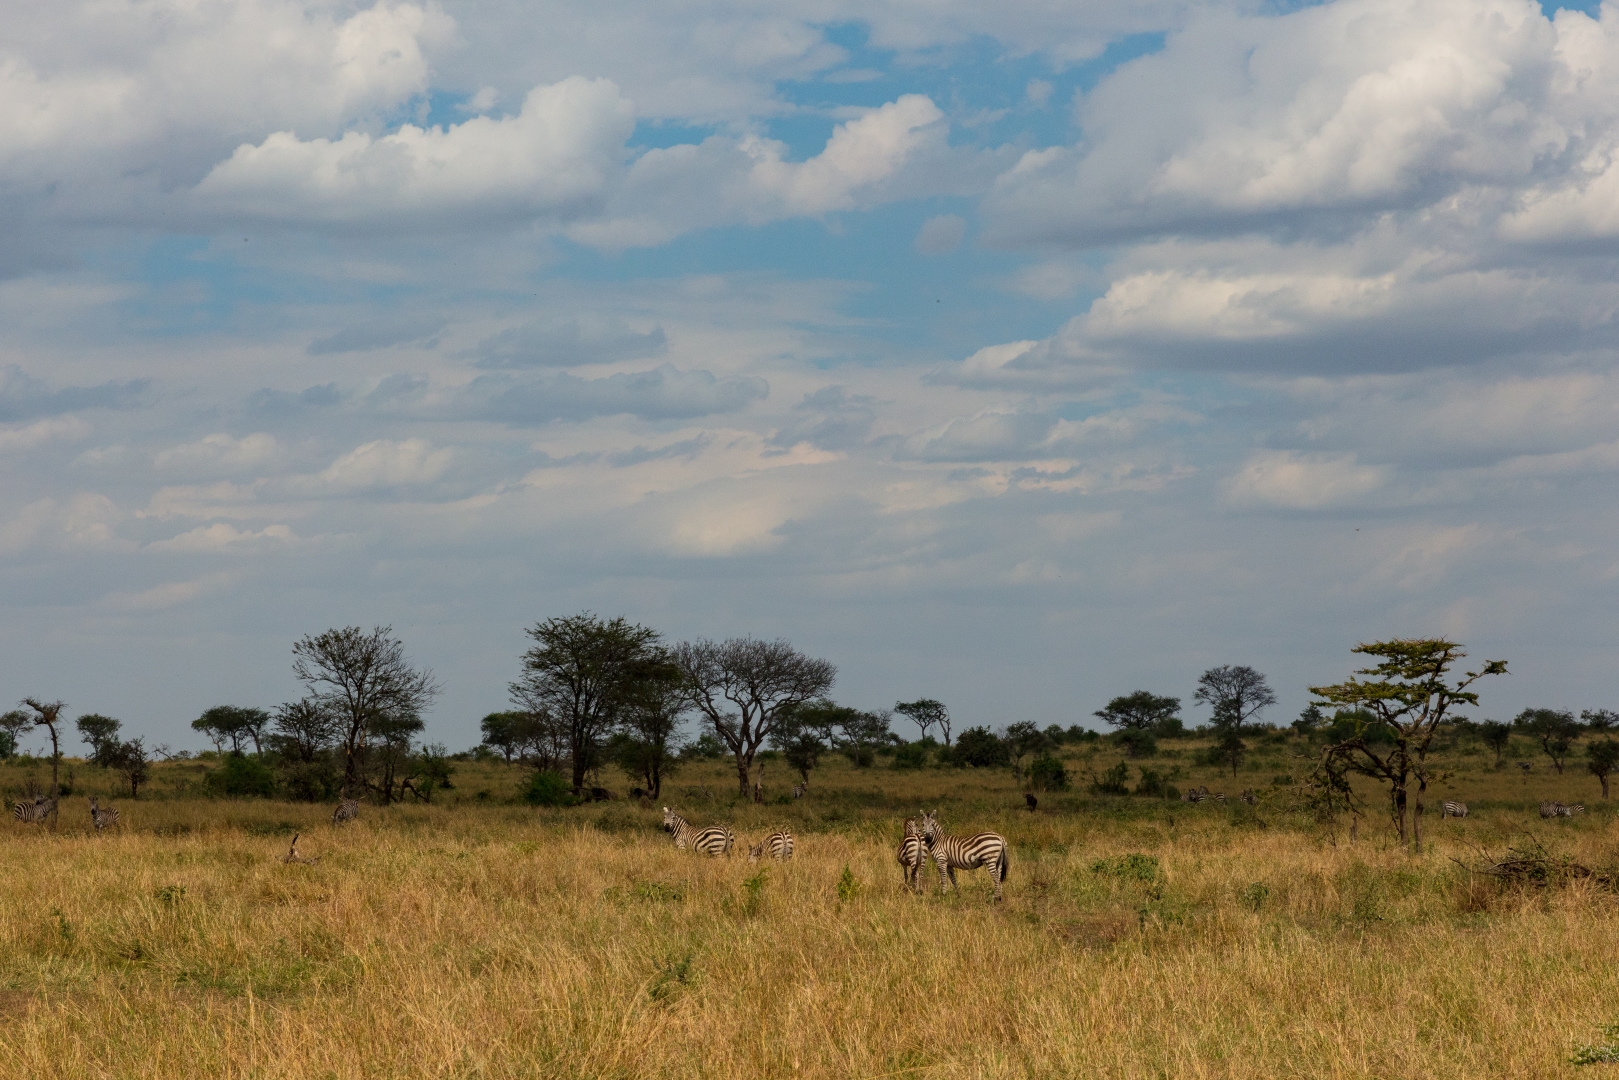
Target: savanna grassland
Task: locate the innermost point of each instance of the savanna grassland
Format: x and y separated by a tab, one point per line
480	937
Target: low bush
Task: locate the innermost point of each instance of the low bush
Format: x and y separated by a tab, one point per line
1047	773
546	788
241	777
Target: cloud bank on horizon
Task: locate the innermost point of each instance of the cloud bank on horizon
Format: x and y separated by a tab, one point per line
1015	356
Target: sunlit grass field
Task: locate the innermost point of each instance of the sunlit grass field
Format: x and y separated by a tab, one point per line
479	937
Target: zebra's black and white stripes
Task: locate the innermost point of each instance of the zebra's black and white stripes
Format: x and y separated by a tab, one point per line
953	853
102	818
1202	794
778	845
347	810
1557	809
799	790
911	854
1450	808
714	840
35	811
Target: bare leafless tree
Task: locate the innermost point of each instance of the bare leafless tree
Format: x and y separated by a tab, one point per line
743	687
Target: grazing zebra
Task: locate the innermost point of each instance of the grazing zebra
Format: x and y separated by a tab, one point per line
778	845
714	840
1219	797
1452	809
1249	797
1557	809
102	818
347	810
1195	795
953	853
911	854
32	813
799	789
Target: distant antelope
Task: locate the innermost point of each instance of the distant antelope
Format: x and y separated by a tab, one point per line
778	845
1452	809
32	813
954	853
102	818
911	854
347	810
292	855
714	840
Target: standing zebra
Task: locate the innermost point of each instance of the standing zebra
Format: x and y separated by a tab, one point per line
954	853
347	810
1249	797
1196	795
1557	809
778	845
799	789
102	818
714	840
911	854
32	813
1452	809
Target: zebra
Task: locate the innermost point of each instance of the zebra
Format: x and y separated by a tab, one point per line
911	854
1452	809
714	840
1557	809
347	810
1249	797
102	818
32	813
778	845
1195	795
799	790
951	853
1219	797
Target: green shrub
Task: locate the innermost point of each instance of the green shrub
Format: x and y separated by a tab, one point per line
1137	743
1112	781
546	788
1131	867
242	776
981	749
1152	783
910	756
1047	773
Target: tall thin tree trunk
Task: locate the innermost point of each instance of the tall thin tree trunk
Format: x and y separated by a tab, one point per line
744	766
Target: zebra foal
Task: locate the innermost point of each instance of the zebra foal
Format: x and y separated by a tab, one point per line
714	840
953	853
347	810
911	854
778	845
102	818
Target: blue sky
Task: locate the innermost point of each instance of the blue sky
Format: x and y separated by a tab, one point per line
1014	356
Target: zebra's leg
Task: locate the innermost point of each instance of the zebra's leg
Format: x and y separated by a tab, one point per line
954	884
943	888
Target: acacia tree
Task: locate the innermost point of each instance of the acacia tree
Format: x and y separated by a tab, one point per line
1602	757
648	746
1554	729
743	687
1136	716
1496	735
45	714
101	734
1409	694
926	713
365	680
233	724
584	673
131	759
1237	694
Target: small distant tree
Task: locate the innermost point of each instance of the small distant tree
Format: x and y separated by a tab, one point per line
506	732
1554	729
100	733
1310	721
1602	757
365	680
12	726
1237	694
926	713
131	759
1140	711
235	725
801	736
1410	692
743	687
47	715
1024	740
1496	736
1600	719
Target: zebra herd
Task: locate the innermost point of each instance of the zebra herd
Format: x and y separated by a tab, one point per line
924	840
34	811
1202	794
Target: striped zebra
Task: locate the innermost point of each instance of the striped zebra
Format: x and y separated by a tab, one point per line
778	845
1249	797
1195	795
1557	809
714	840
1219	797
102	818
953	853
912	853
799	789
347	810
1452	809
32	813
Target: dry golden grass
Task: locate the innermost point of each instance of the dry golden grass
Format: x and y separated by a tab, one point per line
481	939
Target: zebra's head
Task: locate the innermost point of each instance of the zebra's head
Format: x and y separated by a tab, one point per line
756	852
669	818
911	827
93	807
930	825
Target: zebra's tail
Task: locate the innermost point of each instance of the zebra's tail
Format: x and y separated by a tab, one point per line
1006	862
